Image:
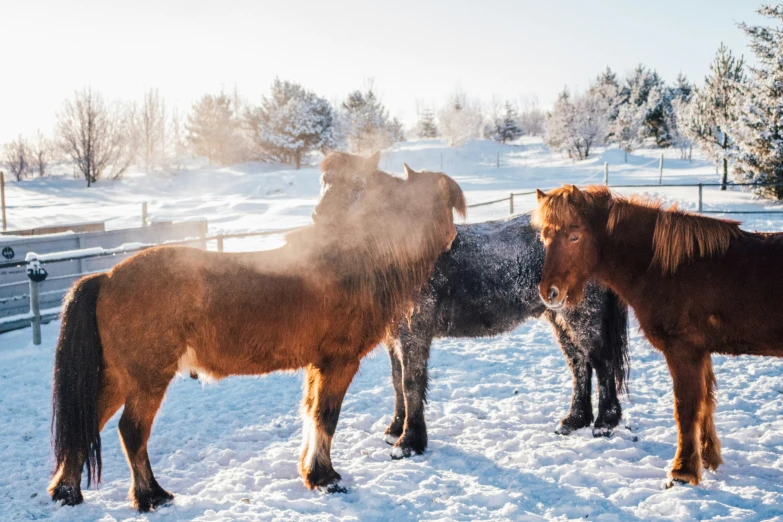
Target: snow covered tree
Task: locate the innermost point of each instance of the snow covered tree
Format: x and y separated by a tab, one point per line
210	129
292	122
149	129
532	118
460	119
714	110
678	113
643	99
576	126
758	128
366	123
17	158
95	136
506	127
425	127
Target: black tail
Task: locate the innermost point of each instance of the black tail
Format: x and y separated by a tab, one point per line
78	378
616	332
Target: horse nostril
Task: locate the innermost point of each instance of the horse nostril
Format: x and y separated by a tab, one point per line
553	293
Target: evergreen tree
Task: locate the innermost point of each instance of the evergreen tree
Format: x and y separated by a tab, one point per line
366	123
506	127
210	129
646	93
426	127
292	122
758	129
714	109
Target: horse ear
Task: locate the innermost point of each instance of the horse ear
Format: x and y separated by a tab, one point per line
540	195
409	172
575	190
374	160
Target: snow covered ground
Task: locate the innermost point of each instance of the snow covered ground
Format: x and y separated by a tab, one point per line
228	451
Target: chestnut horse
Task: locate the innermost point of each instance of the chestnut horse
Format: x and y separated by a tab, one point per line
698	286
320	302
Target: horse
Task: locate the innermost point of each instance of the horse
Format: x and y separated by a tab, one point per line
698	286
486	285
320	302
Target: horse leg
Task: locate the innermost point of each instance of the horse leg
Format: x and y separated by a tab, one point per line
415	353
394	430
325	387
710	443
135	426
65	485
581	413
609	409
688	368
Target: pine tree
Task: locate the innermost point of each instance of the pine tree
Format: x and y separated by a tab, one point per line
714	109
292	121
210	129
426	128
646	94
366	123
758	129
507	128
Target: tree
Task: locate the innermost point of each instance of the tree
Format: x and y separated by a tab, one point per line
94	136
292	122
41	151
366	123
714	109
506	127
149	128
678	113
426	128
17	157
531	117
460	119
758	127
210	129
576	126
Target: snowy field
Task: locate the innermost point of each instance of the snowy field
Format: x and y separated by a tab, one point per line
228	451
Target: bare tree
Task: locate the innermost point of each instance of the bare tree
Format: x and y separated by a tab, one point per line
149	129
16	157
41	153
94	136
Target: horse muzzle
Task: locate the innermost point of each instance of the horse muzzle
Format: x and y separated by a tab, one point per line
553	297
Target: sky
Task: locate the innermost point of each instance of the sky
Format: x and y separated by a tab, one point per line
414	51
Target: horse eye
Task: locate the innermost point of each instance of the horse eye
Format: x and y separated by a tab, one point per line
574	238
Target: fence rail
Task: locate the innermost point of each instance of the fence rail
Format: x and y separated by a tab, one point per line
700	186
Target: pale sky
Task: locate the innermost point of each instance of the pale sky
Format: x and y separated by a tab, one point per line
414	50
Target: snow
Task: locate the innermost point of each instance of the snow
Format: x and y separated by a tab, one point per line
228	451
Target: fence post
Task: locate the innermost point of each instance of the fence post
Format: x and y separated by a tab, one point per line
511	204
606	173
143	213
220	242
36	274
660	171
700	187
2	197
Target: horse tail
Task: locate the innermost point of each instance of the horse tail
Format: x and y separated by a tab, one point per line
616	339
78	380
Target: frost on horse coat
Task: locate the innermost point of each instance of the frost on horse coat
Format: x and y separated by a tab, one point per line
486	285
320	302
698	286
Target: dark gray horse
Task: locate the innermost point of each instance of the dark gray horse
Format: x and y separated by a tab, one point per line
487	285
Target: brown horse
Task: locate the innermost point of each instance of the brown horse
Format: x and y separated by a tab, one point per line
320	302
698	286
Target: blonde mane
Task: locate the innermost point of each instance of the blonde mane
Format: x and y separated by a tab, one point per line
678	236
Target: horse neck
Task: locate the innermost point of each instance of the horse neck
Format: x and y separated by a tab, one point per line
627	253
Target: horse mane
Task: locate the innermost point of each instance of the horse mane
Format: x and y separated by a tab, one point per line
678	236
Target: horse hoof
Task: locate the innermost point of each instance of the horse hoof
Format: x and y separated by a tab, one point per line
400	452
153	500
671	482
562	429
602	432
390	439
68	495
334	487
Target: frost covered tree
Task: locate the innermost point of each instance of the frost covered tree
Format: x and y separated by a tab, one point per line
41	153
96	137
426	127
758	128
17	158
678	113
149	129
292	122
714	110
531	118
647	96
460	119
366	122
575	126
505	128
211	129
